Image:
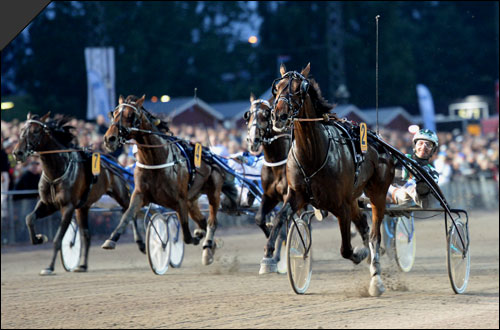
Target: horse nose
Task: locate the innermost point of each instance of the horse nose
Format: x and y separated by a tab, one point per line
112	139
284	117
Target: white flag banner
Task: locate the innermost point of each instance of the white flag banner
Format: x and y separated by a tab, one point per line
100	63
426	107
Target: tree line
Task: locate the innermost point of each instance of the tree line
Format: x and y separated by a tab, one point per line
173	47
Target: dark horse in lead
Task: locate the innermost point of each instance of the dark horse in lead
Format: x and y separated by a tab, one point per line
66	183
321	169
275	147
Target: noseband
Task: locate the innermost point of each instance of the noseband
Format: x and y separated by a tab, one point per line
254	110
123	131
292	104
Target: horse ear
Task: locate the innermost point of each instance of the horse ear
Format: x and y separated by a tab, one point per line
305	71
29	116
141	101
45	117
120	99
252	97
282	69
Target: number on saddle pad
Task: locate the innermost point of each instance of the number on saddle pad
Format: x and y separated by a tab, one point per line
96	163
197	155
362	137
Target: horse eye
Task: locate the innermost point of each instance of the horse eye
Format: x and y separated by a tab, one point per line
246	115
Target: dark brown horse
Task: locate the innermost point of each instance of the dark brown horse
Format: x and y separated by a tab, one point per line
275	147
66	183
322	168
162	175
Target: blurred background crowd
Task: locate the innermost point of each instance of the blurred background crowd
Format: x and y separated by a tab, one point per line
468	167
458	155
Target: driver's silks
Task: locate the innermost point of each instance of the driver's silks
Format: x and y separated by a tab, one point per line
197	155
96	163
362	137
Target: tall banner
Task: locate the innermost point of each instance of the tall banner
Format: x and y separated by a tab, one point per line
100	63
426	107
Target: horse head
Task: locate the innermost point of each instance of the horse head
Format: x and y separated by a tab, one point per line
34	135
290	92
125	117
259	123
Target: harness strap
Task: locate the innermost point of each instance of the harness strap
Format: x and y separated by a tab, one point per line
265	163
155	167
52	183
307	179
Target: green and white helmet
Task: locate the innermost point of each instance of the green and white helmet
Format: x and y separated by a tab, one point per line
426	134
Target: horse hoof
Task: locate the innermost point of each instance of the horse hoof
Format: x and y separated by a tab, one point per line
142	246
46	271
109	245
360	253
268	266
376	286
200	233
80	269
208	257
40	239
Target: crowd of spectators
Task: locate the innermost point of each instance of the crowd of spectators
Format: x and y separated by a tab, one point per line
458	155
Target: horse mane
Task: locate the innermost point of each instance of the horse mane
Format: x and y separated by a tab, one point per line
155	121
320	104
60	131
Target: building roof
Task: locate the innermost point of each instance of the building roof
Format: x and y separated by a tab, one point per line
343	110
386	115
178	105
231	110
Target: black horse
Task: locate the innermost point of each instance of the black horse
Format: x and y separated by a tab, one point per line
67	183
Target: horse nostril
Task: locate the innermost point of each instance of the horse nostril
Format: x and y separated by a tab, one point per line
112	139
284	116
18	153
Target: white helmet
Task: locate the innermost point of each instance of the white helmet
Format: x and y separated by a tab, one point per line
426	134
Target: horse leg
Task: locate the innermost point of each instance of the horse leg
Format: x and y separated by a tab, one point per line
199	218
378	208
67	213
266	205
346	250
82	217
209	244
135	205
182	214
121	194
268	264
137	236
41	210
361	223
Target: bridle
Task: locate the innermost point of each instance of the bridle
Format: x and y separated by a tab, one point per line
255	109
31	147
124	132
292	104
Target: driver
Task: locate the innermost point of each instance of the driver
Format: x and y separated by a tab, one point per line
425	144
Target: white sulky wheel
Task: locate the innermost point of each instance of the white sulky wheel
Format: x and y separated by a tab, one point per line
299	263
71	247
176	241
405	242
157	244
458	256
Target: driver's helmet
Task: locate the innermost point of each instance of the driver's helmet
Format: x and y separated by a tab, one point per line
426	134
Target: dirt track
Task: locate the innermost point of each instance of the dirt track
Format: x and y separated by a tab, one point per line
120	290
